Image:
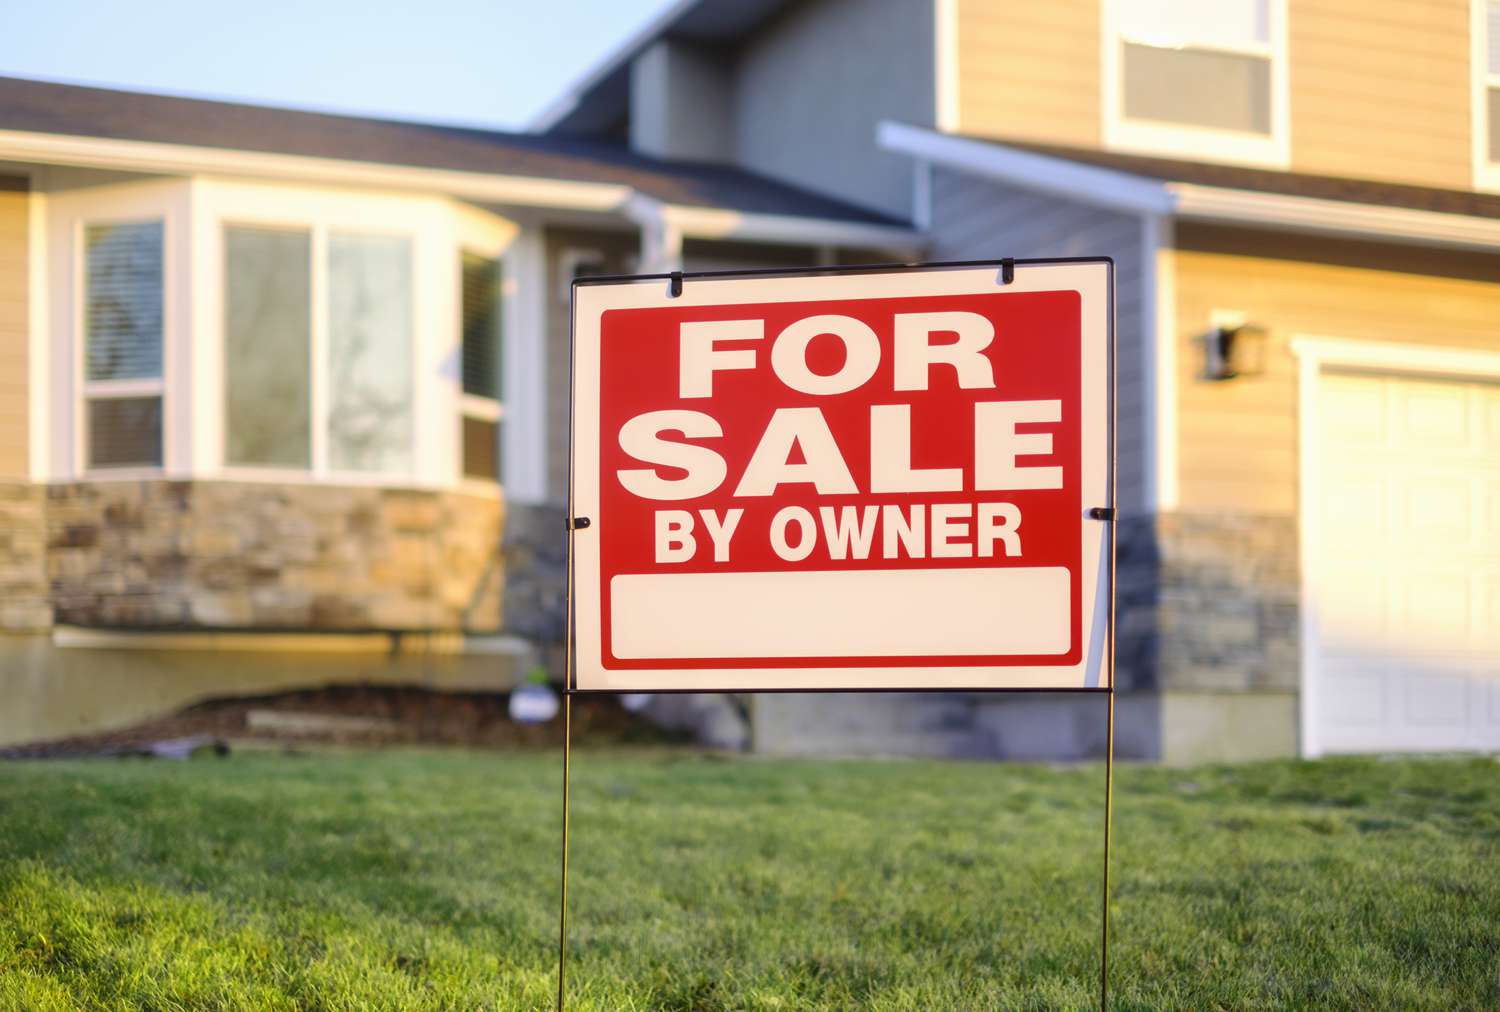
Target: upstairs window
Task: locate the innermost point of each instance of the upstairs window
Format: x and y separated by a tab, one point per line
1488	99
482	348
122	332
1197	80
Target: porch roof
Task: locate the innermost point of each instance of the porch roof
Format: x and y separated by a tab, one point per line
30	107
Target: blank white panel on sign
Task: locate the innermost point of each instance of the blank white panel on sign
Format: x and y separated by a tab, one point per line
846	613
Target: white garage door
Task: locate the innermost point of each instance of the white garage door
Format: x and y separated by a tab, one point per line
1404	564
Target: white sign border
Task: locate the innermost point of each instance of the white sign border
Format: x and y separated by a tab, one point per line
1093	279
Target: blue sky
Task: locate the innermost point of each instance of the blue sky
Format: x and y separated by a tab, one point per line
489	63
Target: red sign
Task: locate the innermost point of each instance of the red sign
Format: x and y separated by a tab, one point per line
884	489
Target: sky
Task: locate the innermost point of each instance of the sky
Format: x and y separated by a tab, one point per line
488	63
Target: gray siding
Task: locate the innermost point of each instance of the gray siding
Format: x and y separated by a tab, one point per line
977	219
681	103
814	83
617	250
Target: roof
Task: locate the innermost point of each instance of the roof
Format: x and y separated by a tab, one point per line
601	97
1204	191
73	110
1287	183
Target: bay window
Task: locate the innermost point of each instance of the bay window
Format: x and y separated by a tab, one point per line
223	329
122	344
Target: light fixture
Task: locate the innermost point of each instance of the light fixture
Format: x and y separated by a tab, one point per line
1232	350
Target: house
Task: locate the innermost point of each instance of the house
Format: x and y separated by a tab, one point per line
1303	202
1302	199
283	396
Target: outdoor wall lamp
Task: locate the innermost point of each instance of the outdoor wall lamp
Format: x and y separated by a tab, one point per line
1232	350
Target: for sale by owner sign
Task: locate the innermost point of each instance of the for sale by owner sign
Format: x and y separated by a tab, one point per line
867	480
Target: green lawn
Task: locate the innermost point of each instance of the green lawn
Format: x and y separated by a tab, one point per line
429	880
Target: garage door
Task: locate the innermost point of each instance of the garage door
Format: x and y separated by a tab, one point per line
1404	565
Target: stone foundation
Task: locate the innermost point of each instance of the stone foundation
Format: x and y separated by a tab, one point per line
1206	650
1229	611
25	593
236	555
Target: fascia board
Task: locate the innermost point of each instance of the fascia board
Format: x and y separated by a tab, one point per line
1335	217
1088	184
717	223
181	159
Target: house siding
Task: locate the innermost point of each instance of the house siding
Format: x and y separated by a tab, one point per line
975	219
14	425
617	251
1227	617
1029	71
1380	89
1238	440
813	85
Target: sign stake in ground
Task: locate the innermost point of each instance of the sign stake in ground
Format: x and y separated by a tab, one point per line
894	478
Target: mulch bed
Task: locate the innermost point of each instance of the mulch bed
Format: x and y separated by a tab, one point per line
416	716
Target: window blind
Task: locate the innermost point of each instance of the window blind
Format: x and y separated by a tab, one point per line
123	302
481	323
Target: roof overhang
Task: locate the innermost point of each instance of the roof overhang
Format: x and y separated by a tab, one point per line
792	230
1144	195
533	192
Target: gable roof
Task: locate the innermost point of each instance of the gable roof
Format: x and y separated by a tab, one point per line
601	97
71	110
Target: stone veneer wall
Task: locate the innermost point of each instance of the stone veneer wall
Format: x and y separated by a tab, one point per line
1208	602
536	574
1230	613
237	555
25	594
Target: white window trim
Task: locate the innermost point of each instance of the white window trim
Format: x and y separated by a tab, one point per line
1486	172
488	236
523	454
1314	355
1195	142
89	390
68	390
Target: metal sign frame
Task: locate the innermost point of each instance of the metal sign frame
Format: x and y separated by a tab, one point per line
1105	513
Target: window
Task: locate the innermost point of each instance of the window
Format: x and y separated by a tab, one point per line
346	406
267	347
122	330
369	359
482	355
1487	98
1200	80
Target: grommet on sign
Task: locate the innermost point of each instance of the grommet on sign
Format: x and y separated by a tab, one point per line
1101	513
577	523
1007	270
675	287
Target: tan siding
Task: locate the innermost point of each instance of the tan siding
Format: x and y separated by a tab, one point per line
1238	440
1380	89
978	220
13	328
1030	71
